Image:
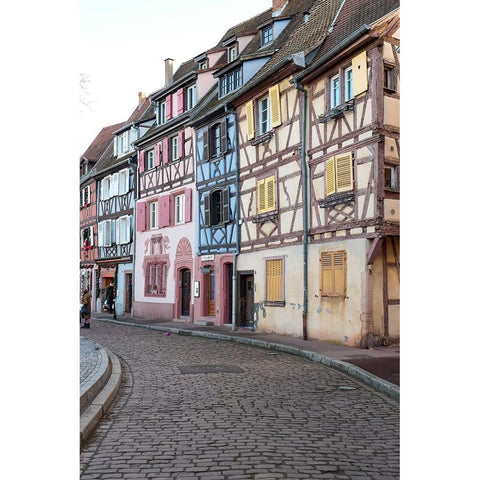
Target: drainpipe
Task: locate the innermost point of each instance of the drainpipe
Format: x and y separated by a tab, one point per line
136	190
237	224
305	207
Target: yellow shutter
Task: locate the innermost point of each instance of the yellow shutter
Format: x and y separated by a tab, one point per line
344	172
330	175
250	121
270	193
359	73
333	274
261	196
275	110
274	280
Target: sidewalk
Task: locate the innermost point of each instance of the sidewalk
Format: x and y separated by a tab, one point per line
383	363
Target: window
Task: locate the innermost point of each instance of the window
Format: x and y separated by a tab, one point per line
231	53
85	197
215	140
230	82
87	238
123	226
162	116
268	113
274	281
339	173
267	35
391	177
191	97
334	91
215	135
217	207
203	65
150	163
153	214
348	82
123	181
174	148
266	194
389	78
333	274
106	233
156	278
179	205
263	115
105	188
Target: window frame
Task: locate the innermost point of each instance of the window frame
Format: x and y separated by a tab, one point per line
179	208
162	112
191	97
222	210
123	181
264	125
174	150
394	178
153	215
263	197
124	229
156	273
348	83
150	159
389	77
267	35
230	82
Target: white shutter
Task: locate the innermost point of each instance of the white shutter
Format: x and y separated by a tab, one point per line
100	234
115	149
90	236
88	194
107	234
114	185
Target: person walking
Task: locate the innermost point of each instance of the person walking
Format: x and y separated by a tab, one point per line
86	300
110	295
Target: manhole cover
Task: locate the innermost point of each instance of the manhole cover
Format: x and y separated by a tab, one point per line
193	369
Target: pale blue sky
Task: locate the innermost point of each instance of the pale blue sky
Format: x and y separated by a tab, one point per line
123	45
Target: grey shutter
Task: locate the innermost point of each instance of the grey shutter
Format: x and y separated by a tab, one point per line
206	207
226	205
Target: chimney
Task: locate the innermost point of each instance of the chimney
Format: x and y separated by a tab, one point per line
278	6
141	97
168	70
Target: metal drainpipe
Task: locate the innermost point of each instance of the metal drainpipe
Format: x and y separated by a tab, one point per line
305	208
135	194
237	225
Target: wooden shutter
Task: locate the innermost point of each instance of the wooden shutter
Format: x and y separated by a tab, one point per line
91	236
270	193
205	145
168	107
165	151
333	274
180	143
206	208
275	110
226	205
343	172
188	205
360	73
141	216
156	154
100	234
164	211
261	196
250	120
223	136
330	175
180	104
141	161
274	280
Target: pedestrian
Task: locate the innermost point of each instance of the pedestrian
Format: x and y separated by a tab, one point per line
86	299
109	294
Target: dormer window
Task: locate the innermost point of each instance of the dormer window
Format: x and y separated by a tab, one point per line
267	35
202	65
191	97
162	114
231	53
230	81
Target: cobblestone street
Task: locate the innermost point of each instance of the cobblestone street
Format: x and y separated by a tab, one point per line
195	408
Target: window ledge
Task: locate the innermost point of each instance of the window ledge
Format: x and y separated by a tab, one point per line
265	137
265	217
337	198
336	112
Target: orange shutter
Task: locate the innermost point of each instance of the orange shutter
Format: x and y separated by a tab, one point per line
275	111
344	172
274	280
250	121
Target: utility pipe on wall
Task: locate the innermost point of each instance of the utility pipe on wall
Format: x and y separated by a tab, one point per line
305	207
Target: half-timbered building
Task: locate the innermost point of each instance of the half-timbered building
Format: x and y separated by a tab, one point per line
88	207
165	229
115	173
353	135
301	268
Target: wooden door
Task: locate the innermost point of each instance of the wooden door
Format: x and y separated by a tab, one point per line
246	300
211	294
186	291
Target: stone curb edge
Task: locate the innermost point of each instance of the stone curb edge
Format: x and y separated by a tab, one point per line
99	406
376	383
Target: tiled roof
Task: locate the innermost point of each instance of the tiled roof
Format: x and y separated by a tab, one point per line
353	15
98	146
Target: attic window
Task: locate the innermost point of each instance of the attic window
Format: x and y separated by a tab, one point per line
306	16
267	35
202	65
232	53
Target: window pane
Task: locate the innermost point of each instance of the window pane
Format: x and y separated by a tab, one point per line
348	84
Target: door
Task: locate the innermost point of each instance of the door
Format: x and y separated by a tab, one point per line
246	300
211	293
186	292
129	292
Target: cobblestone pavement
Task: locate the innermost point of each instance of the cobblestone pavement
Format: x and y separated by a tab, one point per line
194	408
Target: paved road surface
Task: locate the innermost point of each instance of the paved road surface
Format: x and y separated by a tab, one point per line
193	408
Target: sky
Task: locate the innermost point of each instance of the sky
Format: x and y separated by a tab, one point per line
123	45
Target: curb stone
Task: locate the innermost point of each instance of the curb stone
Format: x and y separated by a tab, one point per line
376	383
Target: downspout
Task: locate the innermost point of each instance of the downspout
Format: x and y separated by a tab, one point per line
136	190
237	223
305	207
